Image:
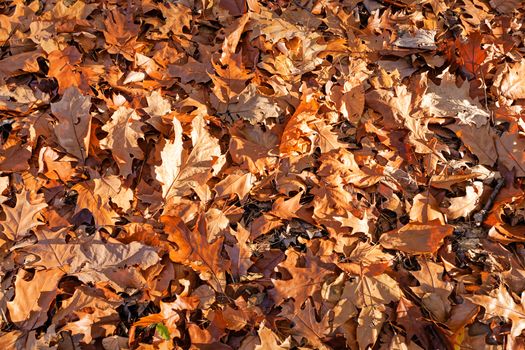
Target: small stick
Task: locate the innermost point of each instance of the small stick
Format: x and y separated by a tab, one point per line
480	215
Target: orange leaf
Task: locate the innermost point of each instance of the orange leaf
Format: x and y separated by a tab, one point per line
416	238
471	54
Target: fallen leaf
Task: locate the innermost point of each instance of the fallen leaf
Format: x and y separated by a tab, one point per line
417	238
471	53
307	326
124	131
480	141
306	281
74	122
179	174
448	100
88	199
500	303
370	321
420	39
464	206
511	152
21	219
237	183
511	86
33	297
193	249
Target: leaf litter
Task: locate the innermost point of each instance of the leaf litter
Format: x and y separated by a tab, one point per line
262	175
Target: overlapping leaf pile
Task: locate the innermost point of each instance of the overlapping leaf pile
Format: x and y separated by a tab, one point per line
262	175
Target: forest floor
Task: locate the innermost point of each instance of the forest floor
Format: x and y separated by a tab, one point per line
261	175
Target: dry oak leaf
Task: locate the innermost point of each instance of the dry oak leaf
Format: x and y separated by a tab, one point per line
363	258
193	70
252	106
370	322
23	217
22	62
433	290
28	310
372	290
239	183
95	203
397	108
511	151
88	257
230	81
297	136
306	325
254	149
479	141
177	17
111	187
326	138
62	67
120	34
355	223
54	166
465	205
124	131
268	339
158	106
14	156
306	281
425	208
232	38
349	99
501	303
240	253
511	81
179	174
286	209
409	316
417	238
88	309
273	27
471	53
74	122
448	101
194	250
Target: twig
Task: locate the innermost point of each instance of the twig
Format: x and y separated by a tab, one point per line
480	215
